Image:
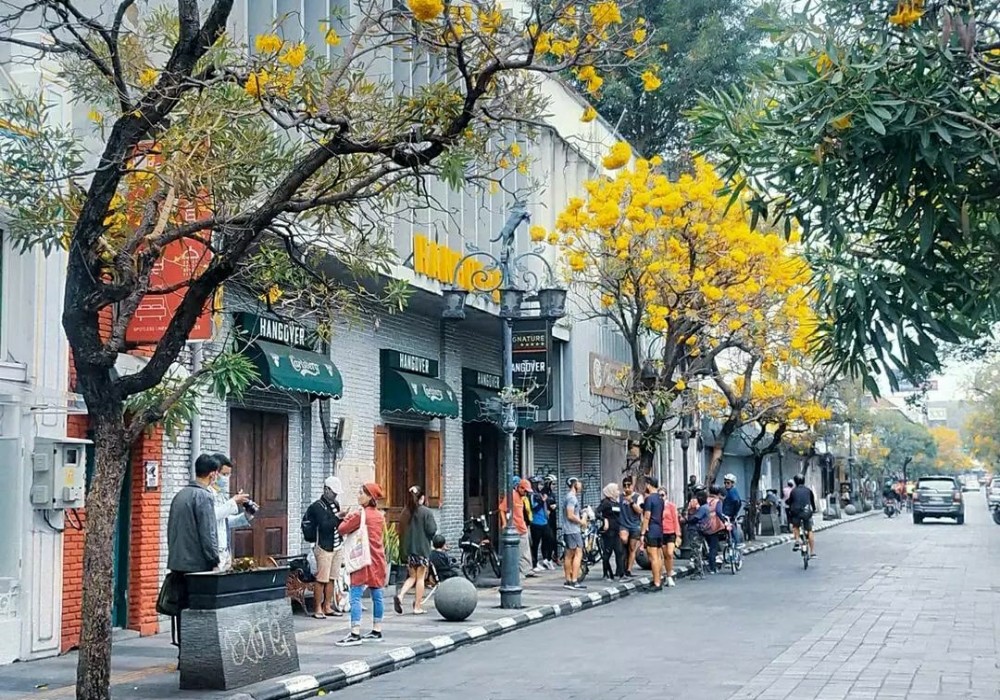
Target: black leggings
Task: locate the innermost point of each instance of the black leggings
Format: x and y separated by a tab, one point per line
538	537
612	543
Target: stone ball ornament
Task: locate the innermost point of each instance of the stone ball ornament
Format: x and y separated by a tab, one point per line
456	599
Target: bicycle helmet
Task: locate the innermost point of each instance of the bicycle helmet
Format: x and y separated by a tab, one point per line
551	478
571	481
729	477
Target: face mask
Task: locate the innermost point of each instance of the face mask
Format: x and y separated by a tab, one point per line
222	483
329	496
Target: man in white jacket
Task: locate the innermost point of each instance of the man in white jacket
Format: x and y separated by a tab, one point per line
230	512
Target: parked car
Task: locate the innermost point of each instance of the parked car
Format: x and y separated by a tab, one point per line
971	483
993	492
938	497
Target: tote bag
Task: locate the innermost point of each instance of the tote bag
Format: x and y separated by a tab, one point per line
357	552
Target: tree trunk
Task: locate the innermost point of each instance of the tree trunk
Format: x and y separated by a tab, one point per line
93	671
647	453
715	463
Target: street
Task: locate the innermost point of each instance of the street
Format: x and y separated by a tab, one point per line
889	609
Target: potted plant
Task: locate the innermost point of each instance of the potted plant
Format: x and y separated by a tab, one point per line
244	583
390	542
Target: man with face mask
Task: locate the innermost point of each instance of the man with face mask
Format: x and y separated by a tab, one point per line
230	512
319	526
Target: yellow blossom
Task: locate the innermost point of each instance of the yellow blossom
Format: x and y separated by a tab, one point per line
605	13
515	150
294	56
589	114
594	84
630	53
332	38
268	43
95	116
650	81
842	122
680	385
639	35
523	167
577	262
537	233
256	82
272	294
426	10
908	13
553	238
148	77
607	300
618	157
664	47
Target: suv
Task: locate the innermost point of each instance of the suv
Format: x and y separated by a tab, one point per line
938	497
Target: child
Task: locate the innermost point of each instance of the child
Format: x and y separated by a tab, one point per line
443	566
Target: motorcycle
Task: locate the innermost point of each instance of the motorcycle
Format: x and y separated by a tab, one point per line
477	548
996	512
891	508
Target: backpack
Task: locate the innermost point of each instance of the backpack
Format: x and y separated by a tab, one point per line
712	524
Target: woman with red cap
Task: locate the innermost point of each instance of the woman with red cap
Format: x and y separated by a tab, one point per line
372	576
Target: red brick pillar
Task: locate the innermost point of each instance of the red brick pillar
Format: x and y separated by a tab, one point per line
144	554
72	587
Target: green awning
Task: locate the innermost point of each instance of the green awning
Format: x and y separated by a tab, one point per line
412	393
296	370
475	401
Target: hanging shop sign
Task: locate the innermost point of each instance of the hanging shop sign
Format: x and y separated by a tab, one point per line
608	377
532	352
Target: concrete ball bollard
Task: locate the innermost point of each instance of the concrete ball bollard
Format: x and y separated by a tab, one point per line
850	509
456	599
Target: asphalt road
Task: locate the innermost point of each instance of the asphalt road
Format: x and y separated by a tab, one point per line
889	609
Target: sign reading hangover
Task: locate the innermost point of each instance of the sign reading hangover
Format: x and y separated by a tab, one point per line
532	344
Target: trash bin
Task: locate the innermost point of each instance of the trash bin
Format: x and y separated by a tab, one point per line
832	511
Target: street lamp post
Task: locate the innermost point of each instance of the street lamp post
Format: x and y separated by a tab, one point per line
516	284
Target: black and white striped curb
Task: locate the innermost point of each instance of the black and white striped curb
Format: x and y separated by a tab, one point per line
353	672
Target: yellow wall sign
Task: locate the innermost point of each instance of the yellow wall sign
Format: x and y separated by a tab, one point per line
438	262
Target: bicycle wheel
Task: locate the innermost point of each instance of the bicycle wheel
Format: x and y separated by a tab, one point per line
495	563
470	566
731	558
805	554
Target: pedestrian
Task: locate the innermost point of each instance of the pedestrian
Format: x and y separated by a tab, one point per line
373	576
539	526
710	524
230	512
694	537
652	530
671	536
608	512
691	488
420	527
192	538
732	504
521	489
550	547
572	534
441	562
631	523
319	526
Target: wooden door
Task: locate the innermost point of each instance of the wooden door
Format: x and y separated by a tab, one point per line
259	449
481	477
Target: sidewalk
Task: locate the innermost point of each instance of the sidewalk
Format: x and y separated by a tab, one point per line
144	668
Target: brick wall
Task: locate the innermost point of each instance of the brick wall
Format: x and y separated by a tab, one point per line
145	552
72	606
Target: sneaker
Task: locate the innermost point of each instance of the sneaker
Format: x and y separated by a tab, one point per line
531	574
670	582
570	585
373	636
655	589
627	576
351	640
549	565
579	586
813	555
795	547
538	568
397	604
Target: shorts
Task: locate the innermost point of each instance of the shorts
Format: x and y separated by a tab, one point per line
573	540
328	564
415	561
633	535
806	523
654	540
669	538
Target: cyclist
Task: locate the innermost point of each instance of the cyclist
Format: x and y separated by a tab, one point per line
732	504
801	506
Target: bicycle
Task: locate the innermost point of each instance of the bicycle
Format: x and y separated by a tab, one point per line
477	548
593	549
732	556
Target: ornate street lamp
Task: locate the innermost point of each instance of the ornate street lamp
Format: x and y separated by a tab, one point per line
516	284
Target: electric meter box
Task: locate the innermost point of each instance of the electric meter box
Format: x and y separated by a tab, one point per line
58	473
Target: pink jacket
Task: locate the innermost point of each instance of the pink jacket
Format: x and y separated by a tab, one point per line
373	575
671	521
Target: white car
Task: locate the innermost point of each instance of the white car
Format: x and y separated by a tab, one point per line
993	492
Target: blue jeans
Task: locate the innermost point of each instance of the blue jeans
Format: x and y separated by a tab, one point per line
737	533
713	551
378	609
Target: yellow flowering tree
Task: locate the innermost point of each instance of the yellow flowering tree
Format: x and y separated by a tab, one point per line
679	273
951	455
274	158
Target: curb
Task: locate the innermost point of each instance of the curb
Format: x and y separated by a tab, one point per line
353	672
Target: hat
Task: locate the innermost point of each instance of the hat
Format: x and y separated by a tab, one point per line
525	484
333	483
373	490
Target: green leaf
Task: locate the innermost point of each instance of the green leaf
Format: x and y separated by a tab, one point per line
875	123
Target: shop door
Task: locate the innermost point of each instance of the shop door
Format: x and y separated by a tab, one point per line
482	478
258	445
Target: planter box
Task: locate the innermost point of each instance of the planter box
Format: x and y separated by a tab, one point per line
214	590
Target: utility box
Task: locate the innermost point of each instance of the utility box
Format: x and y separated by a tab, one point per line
58	473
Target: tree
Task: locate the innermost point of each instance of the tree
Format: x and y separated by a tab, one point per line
910	448
950	455
876	131
982	429
681	276
699	44
268	161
